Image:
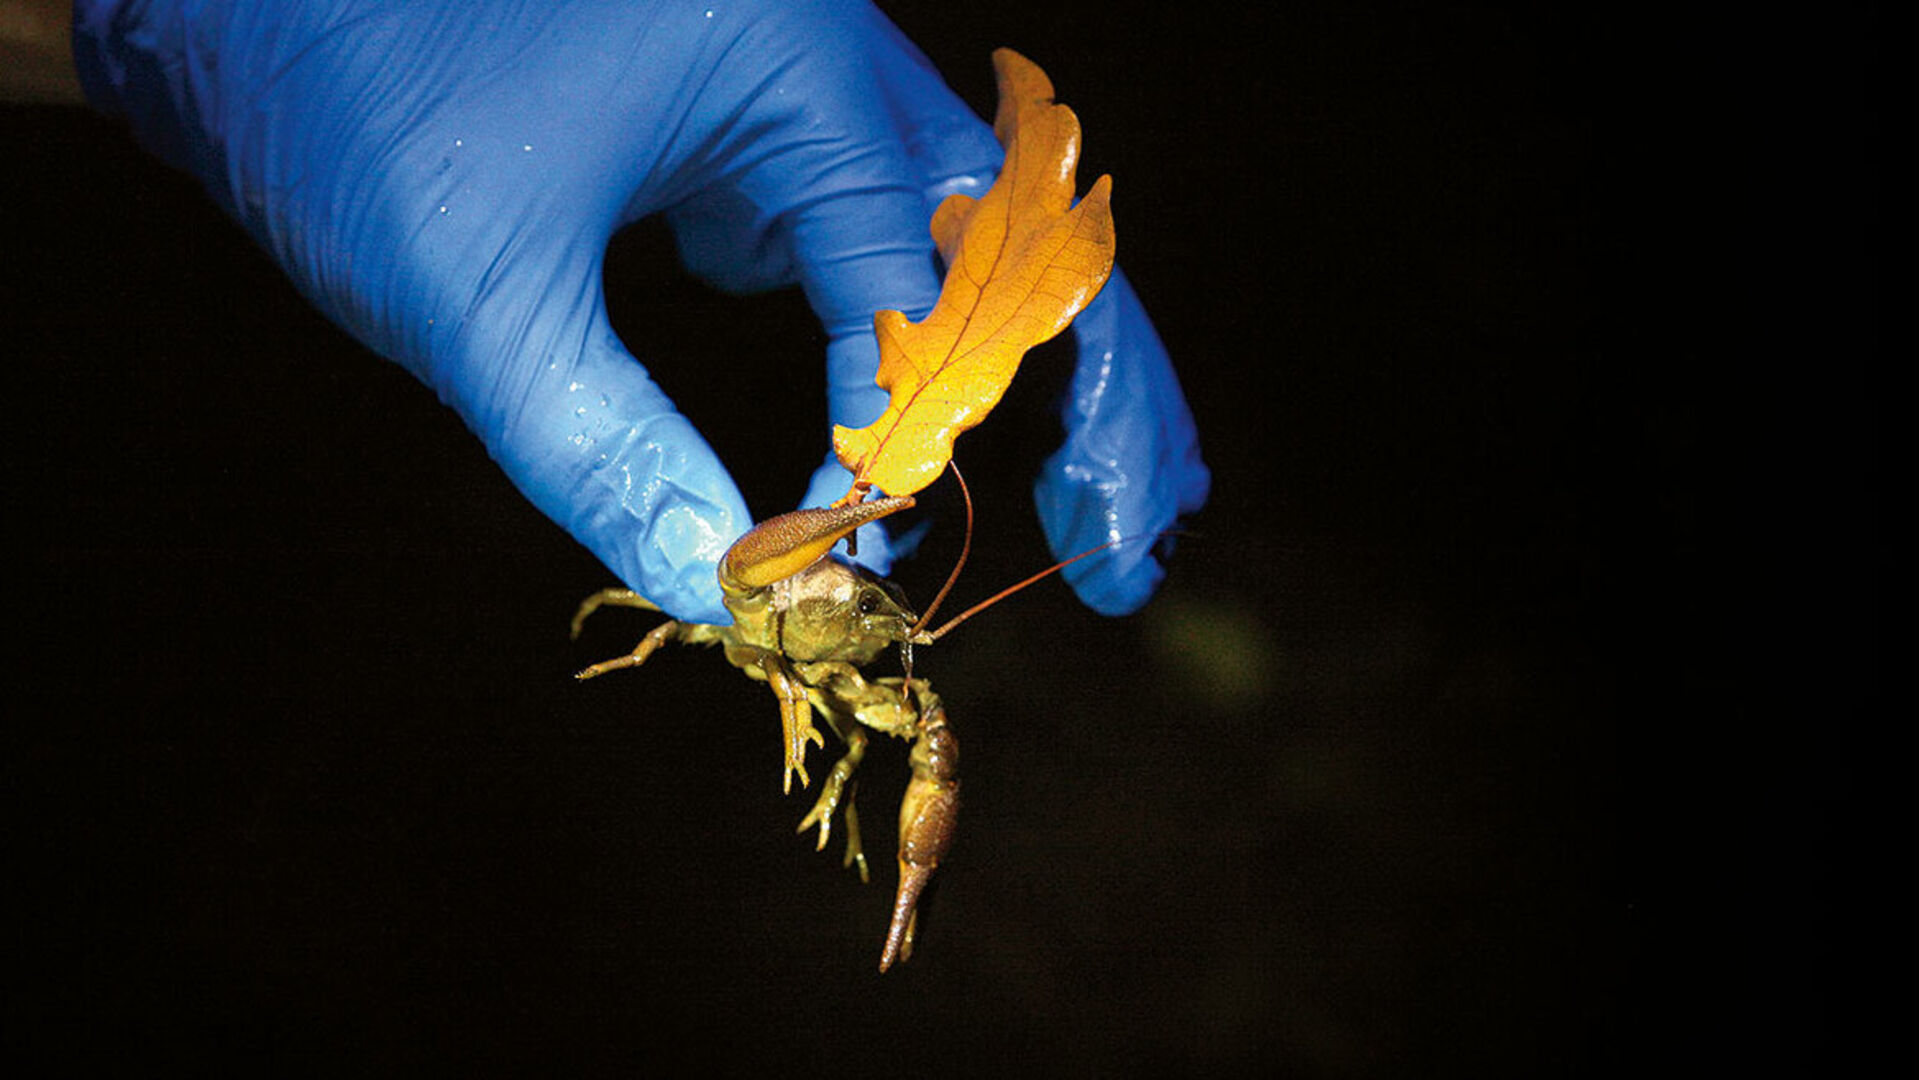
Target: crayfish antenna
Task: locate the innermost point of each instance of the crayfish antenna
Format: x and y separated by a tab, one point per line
1011	589
918	634
966	548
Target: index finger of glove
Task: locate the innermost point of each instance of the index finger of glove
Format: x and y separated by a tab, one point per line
858	138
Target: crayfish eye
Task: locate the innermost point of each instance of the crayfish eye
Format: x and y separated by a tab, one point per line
869	601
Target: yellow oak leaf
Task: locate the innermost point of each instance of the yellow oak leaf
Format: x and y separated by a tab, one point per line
1022	260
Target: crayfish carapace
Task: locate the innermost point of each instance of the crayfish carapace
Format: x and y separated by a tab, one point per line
803	623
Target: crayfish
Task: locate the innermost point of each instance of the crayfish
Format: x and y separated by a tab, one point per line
803	623
1033	256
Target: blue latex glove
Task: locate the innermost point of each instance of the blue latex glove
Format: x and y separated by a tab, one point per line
442	180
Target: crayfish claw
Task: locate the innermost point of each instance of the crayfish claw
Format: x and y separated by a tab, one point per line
929	816
822	816
799	730
906	916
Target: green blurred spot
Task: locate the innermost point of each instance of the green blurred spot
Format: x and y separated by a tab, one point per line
1219	654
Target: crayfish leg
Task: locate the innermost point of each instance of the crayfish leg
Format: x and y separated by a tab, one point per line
615	597
835	793
854	852
648	645
796	717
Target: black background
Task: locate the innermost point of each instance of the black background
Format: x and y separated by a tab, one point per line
1487	723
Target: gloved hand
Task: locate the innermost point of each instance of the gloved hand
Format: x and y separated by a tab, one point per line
442	180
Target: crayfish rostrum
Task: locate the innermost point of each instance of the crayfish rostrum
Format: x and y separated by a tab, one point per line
803	623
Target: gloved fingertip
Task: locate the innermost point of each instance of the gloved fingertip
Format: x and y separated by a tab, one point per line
669	533
604	453
675	559
1079	515
1112	591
